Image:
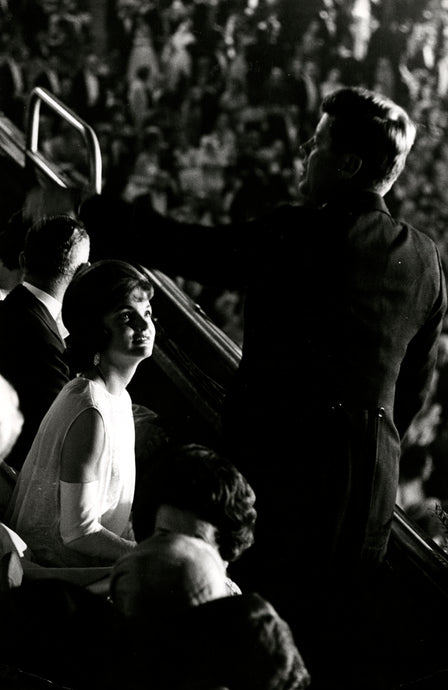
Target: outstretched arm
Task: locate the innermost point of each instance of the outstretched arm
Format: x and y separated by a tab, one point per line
136	232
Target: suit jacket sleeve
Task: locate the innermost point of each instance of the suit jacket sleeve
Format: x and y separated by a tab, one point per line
32	359
217	255
417	369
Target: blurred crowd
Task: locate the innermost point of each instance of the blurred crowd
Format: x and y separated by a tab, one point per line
202	105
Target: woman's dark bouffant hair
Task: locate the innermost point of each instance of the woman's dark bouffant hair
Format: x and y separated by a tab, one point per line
94	291
195	478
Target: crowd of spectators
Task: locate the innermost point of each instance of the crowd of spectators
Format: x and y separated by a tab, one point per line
202	106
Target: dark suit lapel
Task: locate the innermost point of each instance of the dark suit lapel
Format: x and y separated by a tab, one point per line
40	310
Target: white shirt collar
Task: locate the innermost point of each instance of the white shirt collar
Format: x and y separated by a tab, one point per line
53	305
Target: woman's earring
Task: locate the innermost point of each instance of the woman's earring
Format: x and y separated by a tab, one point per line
96	359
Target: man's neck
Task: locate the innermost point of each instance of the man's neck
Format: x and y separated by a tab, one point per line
55	289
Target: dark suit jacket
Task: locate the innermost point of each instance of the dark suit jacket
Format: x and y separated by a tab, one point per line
32	359
343	310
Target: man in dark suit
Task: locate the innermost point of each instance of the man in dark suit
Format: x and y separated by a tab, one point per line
88	91
31	343
344	306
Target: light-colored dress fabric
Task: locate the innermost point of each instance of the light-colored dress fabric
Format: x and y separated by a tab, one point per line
35	508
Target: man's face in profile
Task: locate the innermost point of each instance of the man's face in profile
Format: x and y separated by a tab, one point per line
81	253
321	167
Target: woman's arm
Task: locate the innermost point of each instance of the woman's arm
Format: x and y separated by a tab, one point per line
80	464
104	545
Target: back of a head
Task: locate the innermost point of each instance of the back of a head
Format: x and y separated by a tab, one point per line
195	478
164	576
234	642
12	239
373	127
55	247
95	291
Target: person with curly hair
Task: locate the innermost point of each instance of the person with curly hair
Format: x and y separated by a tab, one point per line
190	489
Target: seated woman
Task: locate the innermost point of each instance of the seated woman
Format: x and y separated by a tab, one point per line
73	498
192	490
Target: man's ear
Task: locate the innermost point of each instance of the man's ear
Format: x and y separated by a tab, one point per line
22	261
350	165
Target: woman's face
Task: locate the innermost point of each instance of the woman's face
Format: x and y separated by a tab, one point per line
130	328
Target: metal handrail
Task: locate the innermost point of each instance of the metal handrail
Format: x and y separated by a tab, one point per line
39	95
426	555
227	348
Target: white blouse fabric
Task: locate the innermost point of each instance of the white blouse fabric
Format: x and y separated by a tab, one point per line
42	510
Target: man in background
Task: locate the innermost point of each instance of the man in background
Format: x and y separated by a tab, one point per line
32	334
12	239
344	306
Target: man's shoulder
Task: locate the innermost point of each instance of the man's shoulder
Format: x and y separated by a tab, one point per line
421	239
21	310
288	215
15	304
20	297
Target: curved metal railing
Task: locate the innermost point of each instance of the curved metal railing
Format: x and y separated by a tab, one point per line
37	97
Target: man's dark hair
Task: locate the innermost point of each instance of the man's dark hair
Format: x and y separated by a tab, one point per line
373	127
195	478
12	239
94	291
50	244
